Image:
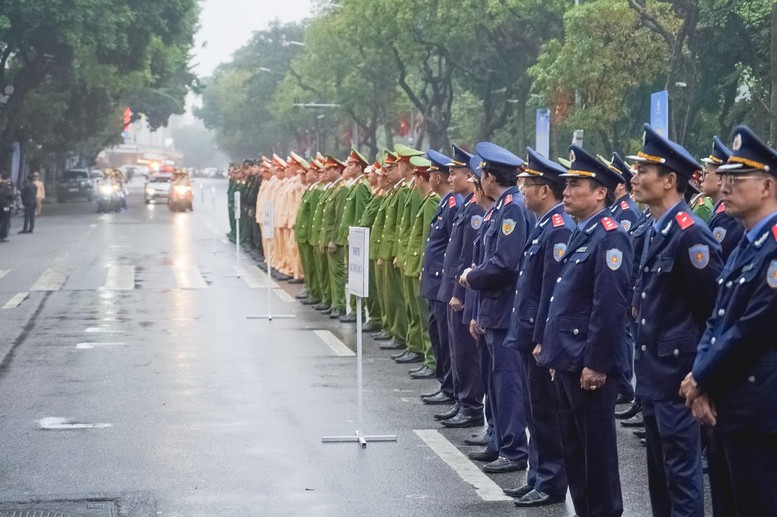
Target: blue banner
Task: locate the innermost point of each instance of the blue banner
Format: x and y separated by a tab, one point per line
659	112
542	144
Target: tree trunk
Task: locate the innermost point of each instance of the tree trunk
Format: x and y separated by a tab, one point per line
773	60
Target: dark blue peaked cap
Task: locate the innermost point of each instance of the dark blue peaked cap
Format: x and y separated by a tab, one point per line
439	161
585	165
659	150
474	165
750	153
540	167
621	167
720	153
461	157
498	159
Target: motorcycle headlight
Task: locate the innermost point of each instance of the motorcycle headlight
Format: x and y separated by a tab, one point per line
105	189
180	189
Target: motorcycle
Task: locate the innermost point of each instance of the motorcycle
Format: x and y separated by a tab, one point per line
108	199
180	198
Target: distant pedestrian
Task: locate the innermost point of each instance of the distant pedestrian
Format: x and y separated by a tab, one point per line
6	202
40	194
30	201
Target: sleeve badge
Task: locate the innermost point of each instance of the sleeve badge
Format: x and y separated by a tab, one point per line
614	259
626	224
508	225
476	222
559	250
700	255
719	233
771	275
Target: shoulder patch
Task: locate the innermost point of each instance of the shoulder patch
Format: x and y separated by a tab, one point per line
508	225
771	274
508	199
700	255
614	259
719	233
774	232
624	205
476	221
559	249
684	220
451	201
626	224
721	208
557	220
609	224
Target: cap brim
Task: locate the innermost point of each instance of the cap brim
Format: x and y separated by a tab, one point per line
640	159
734	168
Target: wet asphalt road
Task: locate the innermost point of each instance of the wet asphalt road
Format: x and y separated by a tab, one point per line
135	376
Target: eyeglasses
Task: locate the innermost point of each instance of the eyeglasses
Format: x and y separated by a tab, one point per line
731	179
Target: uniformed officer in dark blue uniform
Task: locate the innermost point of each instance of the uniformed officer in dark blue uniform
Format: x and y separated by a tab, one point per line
543	189
494	280
465	374
679	266
733	385
584	330
726	229
432	271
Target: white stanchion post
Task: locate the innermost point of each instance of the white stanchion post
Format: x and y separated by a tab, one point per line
237	231
215	216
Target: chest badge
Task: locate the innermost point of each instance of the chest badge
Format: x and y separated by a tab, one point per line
700	255
771	275
614	259
719	233
476	222
508	225
559	250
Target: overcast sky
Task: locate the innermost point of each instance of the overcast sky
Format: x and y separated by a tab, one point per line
227	24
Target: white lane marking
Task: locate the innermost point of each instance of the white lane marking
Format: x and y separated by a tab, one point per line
15	301
90	346
486	489
102	330
337	346
189	277
254	277
120	278
50	280
4	272
283	295
51	423
93	225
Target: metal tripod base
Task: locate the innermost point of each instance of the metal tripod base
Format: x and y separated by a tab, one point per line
271	317
357	437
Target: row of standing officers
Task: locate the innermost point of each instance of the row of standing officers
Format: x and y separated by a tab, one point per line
532	307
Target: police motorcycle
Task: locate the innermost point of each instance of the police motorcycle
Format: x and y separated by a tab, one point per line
180	197
108	197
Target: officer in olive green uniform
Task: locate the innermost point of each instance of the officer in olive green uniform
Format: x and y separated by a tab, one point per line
242	187
359	194
368	219
330	241
302	225
315	241
231	202
377	251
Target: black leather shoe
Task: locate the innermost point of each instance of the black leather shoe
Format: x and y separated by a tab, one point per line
310	301
381	336
518	492
327	312
335	314
410	357
426	373
481	439
484	455
417	368
448	414
639	433
391	345
399	354
624	399
635	421
296	281
440	398
629	412
536	498
370	327
321	307
501	465
301	296
432	394
348	318
462	420
643	442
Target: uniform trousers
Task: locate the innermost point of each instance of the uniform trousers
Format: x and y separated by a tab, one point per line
507	397
466	373
29	218
414	337
336	267
673	459
382	287
374	306
309	270
322	270
587	421
752	469
293	252
396	302
547	471
721	491
438	335
485	374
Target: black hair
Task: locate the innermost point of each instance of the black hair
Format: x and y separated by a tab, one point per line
502	179
555	187
682	181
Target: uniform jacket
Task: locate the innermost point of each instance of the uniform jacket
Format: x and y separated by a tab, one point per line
737	357
540	267
305	213
317	221
638	233
726	230
358	196
458	251
418	234
406	214
394	203
333	211
376	227
503	244
471	297
678	272
586	319
29	194
625	211
439	233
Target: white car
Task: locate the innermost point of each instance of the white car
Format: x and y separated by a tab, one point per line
158	187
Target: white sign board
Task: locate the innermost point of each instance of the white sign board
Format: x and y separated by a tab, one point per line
359	261
237	205
267	220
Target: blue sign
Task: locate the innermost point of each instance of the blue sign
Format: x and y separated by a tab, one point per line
659	112
543	132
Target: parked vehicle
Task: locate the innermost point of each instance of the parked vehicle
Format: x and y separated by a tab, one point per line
74	184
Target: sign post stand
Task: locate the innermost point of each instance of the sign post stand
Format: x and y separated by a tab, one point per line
267	233
237	232
358	285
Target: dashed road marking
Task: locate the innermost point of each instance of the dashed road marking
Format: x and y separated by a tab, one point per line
254	278
4	272
337	346
50	280
189	277
51	423
90	346
14	302
486	489
120	278
103	330
284	296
